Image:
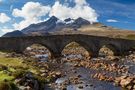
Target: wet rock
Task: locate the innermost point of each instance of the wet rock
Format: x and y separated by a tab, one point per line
79	76
29	88
134	87
103	77
129	87
29	75
74	71
63	88
27	82
75	65
18	81
80	87
74	80
43	75
113	58
58	74
67	82
42	71
126	82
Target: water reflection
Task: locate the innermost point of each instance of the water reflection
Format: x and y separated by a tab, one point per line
42	57
73	56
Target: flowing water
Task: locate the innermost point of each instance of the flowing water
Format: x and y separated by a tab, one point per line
87	82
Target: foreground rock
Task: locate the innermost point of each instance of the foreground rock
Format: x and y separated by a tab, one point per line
27	82
127	82
103	77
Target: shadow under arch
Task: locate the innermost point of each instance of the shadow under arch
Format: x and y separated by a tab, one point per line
112	47
89	48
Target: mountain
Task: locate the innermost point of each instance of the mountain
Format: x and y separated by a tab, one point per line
54	24
51	25
16	33
73	26
46	26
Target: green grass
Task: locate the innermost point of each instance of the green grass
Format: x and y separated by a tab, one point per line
11	62
5	76
12	68
15	68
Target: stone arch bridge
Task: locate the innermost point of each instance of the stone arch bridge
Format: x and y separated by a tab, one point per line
56	43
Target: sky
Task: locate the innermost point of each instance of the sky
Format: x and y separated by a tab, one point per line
18	14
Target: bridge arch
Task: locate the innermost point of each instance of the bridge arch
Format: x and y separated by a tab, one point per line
90	48
24	46
37	50
115	50
75	50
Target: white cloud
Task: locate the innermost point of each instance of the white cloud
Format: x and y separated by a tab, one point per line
81	9
80	2
112	20
5	30
31	12
4	18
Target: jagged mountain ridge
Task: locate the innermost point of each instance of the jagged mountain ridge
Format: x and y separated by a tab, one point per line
51	25
54	24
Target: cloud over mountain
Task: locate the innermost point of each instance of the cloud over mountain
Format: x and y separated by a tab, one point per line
35	12
81	9
4	18
31	12
5	30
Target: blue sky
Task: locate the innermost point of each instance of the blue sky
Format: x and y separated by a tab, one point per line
17	14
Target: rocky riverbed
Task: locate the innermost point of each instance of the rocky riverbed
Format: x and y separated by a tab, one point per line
74	71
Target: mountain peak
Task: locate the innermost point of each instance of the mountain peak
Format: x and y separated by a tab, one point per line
68	19
81	21
53	18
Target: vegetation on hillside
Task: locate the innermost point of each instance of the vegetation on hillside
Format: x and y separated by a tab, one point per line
131	36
